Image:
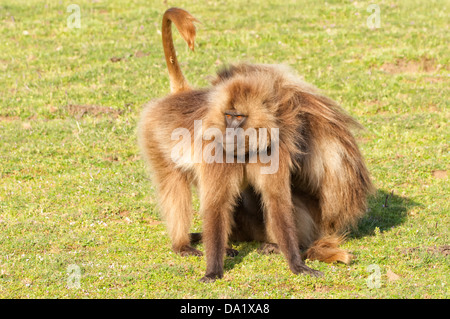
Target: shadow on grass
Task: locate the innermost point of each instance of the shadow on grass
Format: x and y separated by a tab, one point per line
244	249
386	210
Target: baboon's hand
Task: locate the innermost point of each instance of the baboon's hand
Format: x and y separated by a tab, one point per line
189	251
268	248
301	268
211	277
232	252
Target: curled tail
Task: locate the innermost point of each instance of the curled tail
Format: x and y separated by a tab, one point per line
184	22
327	249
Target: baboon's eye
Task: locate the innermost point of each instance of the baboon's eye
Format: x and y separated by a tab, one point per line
234	120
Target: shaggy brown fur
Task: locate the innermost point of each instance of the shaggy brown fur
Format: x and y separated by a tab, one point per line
319	189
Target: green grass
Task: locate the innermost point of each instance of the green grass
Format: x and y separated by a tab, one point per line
73	189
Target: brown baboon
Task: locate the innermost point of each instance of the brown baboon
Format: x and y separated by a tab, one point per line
317	188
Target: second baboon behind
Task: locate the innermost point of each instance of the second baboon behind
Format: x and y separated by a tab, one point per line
318	188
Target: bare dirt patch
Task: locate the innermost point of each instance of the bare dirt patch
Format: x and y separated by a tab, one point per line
432	250
137	54
116	59
8	118
440	174
424	65
80	110
140	54
111	158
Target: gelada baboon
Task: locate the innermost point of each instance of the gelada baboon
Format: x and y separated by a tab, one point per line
309	186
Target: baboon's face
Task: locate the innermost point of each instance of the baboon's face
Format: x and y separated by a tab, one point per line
244	112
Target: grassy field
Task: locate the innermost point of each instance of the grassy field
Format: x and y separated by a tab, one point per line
78	216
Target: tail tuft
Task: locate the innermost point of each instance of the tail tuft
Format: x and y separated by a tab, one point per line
327	249
184	22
